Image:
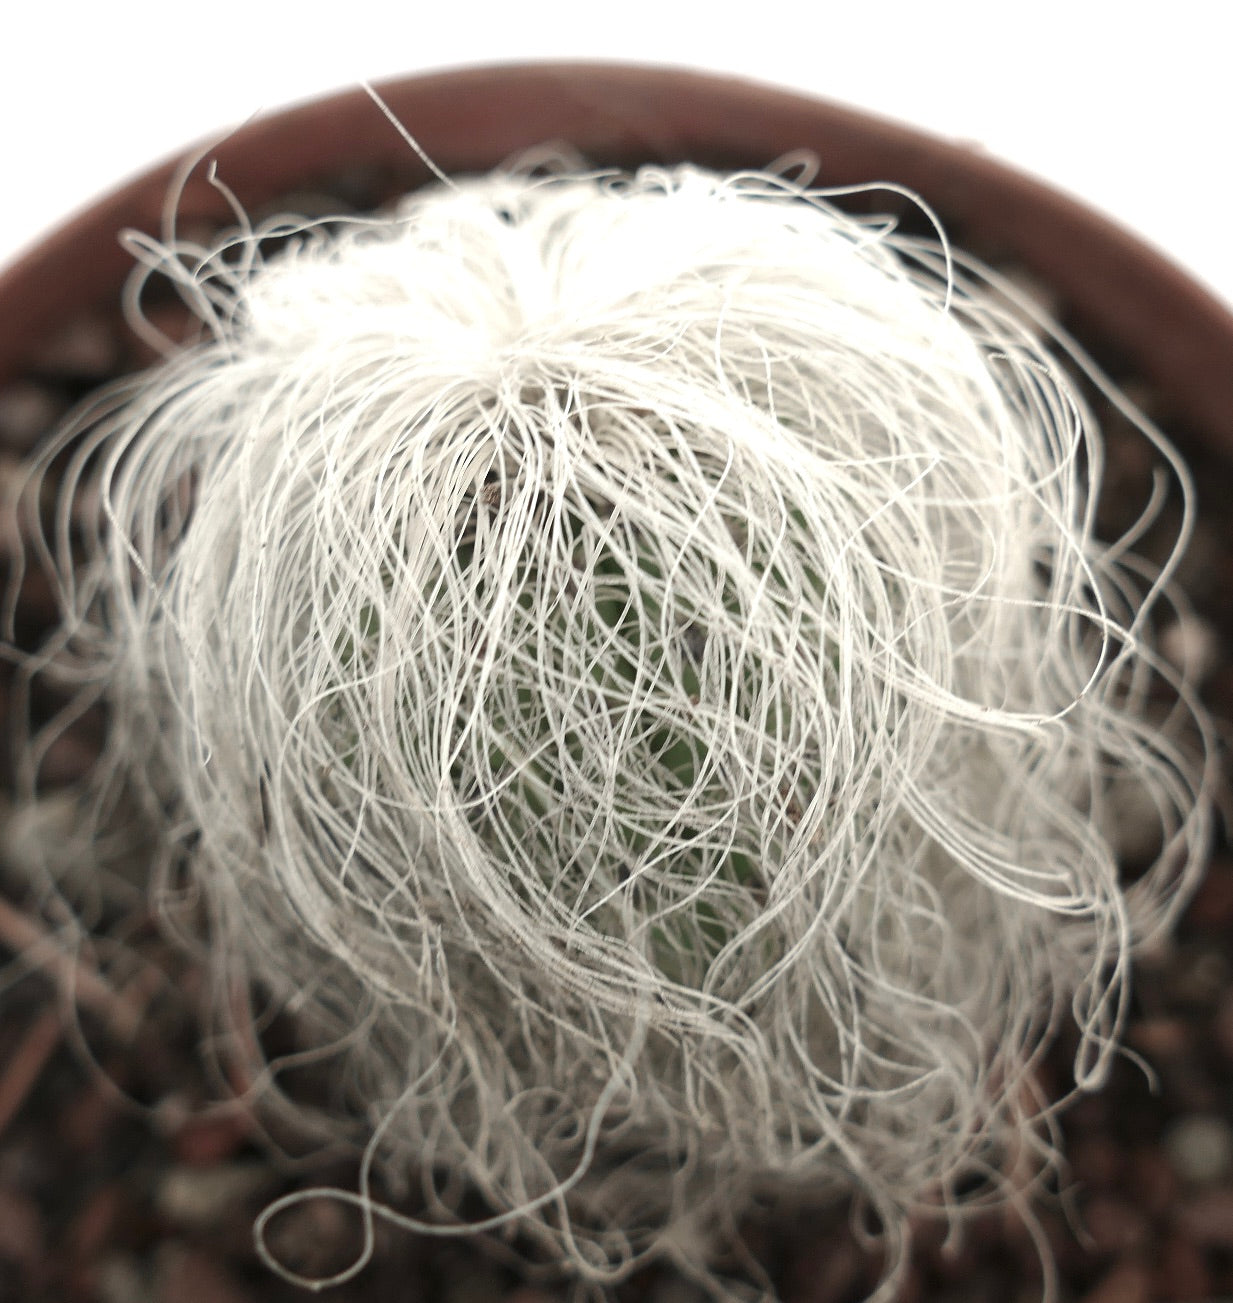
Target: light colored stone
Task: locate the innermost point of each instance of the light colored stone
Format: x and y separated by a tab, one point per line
200	1197
1200	1148
27	413
1190	644
120	1280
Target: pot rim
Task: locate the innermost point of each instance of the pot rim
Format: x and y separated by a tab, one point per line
1171	329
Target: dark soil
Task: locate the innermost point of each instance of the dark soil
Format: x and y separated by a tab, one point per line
123	1181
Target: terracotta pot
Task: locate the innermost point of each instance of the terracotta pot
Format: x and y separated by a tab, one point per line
1120	296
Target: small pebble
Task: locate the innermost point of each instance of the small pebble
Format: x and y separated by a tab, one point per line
198	1198
212	1138
27	412
1159	1038
1200	1147
1191	644
120	1280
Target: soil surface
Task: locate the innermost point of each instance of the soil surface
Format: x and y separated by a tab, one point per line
123	1180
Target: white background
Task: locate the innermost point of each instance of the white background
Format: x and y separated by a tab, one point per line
1127	105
